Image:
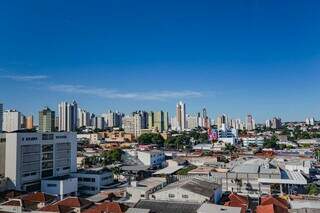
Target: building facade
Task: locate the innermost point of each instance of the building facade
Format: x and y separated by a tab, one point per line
68	116
31	157
181	116
46	120
11	120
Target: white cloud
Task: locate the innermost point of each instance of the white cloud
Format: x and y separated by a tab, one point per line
115	94
24	77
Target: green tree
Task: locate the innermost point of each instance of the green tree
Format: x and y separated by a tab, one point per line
271	143
151	138
312	189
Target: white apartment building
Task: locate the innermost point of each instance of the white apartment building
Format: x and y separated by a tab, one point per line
192	122
11	120
83	118
31	157
132	124
181	116
68	116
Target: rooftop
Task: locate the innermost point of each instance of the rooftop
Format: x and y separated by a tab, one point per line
210	208
98	170
195	185
168	206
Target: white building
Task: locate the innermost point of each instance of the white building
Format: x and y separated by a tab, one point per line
99	122
192	122
190	190
142	190
310	121
63	186
68	116
181	116
112	119
31	157
256	141
92	181
93	138
132	124
227	135
153	158
83	118
210	208
11	120
1	116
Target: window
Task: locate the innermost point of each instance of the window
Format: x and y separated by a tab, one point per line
185	196
51	185
47	137
47	148
48	173
171	195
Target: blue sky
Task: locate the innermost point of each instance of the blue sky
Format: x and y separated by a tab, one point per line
235	57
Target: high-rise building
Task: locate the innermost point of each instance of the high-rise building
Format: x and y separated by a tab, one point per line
23	120
250	123
47	120
29	122
132	124
221	120
31	157
310	121
68	116
268	123
83	118
276	123
11	120
161	121
143	117
113	119
99	122
1	116
192	122
181	116
151	120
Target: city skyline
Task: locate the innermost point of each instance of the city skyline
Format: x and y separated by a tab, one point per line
244	58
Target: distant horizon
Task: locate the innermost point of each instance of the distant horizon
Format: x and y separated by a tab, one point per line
247	57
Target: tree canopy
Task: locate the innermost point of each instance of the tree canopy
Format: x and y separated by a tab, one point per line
151	138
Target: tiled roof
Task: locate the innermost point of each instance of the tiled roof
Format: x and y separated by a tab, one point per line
110	207
276	201
271	208
75	202
238	201
270	204
38	197
56	208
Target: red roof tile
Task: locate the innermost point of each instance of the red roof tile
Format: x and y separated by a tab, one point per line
39	197
56	208
270	204
238	201
75	202
105	208
271	208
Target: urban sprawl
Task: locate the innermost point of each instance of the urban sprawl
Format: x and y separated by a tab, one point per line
72	160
